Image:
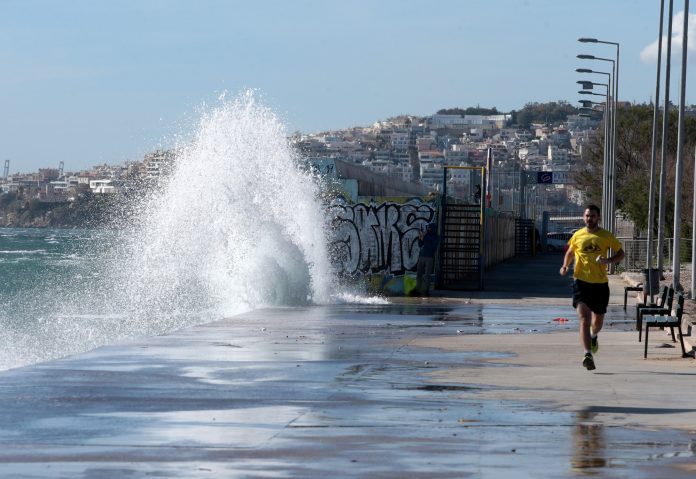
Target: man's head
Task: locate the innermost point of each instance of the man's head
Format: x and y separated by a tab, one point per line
591	216
594	208
431	227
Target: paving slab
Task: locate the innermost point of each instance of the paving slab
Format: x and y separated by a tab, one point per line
463	384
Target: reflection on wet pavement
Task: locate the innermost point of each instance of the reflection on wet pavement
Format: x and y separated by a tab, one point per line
307	392
589	444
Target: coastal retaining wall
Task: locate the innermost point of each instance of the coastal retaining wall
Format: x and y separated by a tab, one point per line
379	241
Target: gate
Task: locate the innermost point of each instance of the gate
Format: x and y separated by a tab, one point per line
523	236
462	263
461	247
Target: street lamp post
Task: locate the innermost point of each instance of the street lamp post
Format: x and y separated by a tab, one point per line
607	145
608	127
587	70
611	141
653	163
676	260
663	150
615	76
590	103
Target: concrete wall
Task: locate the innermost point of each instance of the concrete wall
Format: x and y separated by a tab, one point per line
379	242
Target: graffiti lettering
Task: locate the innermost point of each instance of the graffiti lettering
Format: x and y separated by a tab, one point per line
378	239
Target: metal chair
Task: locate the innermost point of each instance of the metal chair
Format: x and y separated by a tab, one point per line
663	306
665	321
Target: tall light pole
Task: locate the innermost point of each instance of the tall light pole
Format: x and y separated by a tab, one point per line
605	202
649	280
605	162
676	263
589	110
606	205
607	146
615	94
610	140
587	70
663	155
591	104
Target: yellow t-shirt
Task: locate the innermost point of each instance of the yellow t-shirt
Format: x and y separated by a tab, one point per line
587	247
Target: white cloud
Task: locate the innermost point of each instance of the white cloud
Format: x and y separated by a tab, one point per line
649	53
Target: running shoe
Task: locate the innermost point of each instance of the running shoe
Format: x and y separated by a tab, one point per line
588	362
595	345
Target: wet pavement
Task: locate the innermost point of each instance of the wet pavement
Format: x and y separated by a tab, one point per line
416	388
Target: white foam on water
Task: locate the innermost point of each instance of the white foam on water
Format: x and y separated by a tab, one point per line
356	298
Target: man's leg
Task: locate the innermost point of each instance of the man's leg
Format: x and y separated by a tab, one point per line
598	318
597	323
585	316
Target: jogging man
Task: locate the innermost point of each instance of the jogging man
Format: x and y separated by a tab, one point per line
588	247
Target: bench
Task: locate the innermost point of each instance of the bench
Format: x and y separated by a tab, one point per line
663	307
665	321
638	287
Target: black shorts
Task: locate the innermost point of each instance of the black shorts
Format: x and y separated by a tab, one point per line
594	295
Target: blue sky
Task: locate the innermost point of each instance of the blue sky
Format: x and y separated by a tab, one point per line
91	82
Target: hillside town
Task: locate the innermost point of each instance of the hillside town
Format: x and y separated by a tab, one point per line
54	185
405	149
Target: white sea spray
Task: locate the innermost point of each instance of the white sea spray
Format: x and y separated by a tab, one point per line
237	225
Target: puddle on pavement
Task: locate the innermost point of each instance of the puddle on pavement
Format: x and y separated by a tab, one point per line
463	436
490	435
596	447
490	318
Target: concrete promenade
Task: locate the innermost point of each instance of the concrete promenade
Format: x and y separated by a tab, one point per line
462	384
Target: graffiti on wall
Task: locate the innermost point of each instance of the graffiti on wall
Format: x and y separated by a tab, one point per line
378	238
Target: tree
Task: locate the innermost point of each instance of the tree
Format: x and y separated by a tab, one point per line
477	110
633	165
552	112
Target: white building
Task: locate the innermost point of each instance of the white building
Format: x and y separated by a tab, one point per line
103	187
431	172
158	164
400	140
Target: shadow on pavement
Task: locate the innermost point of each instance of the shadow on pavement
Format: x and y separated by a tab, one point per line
522	276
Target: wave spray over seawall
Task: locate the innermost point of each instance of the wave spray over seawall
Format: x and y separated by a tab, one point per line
237	225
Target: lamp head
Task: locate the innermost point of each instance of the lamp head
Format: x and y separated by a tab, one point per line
587	40
586	57
584	70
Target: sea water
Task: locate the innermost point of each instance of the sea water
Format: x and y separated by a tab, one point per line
238	225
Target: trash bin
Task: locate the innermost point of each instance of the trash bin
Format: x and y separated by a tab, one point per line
651	284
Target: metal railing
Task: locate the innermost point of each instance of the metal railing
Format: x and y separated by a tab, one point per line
636	253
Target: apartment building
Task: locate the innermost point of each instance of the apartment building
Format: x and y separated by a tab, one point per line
158	164
431	172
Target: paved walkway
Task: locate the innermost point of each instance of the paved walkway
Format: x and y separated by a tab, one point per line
480	384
